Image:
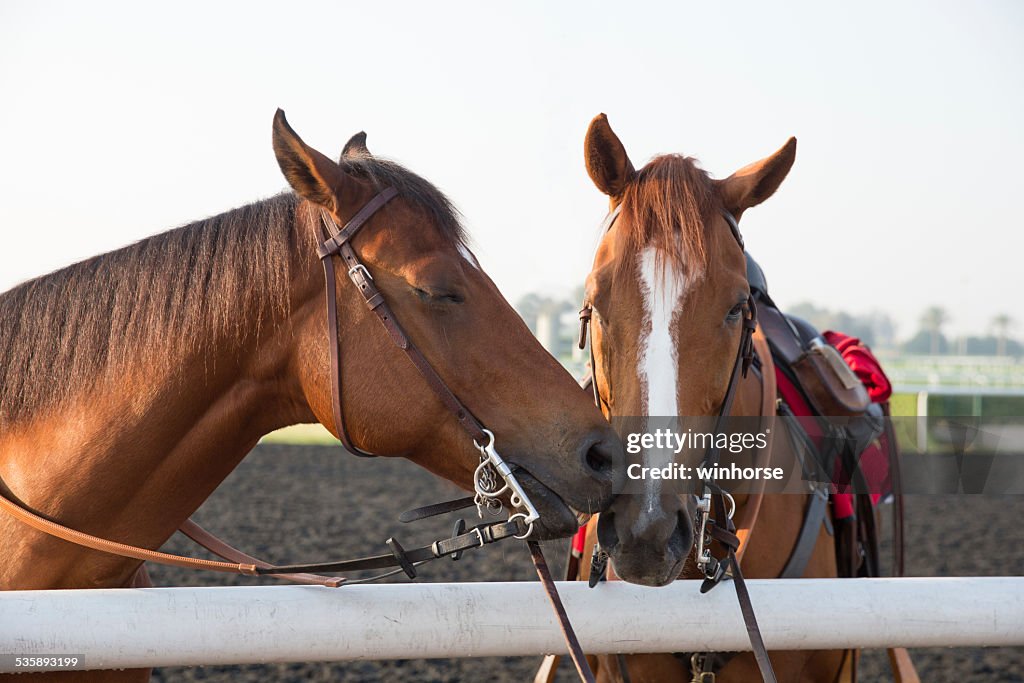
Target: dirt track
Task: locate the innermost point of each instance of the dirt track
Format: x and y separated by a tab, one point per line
295	503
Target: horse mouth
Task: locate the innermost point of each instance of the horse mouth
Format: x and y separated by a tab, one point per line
557	518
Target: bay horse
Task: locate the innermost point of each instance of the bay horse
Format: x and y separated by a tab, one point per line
668	292
132	383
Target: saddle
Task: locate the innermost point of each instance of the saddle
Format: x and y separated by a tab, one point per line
838	418
817	367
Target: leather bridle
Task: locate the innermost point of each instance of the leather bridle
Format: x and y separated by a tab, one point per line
493	477
713	519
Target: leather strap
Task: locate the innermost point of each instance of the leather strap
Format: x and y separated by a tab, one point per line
752	508
744	357
121	549
416	514
575	650
227	552
764	664
339	242
723	533
330	244
476	537
897	492
807	539
340	237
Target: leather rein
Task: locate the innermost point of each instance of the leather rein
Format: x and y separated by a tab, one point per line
713	520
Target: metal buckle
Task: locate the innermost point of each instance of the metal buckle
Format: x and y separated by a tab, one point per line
702	552
359	267
698	662
703	539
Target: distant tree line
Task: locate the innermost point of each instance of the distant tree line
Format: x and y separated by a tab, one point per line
878	330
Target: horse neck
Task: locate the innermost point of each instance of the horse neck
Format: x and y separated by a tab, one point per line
133	457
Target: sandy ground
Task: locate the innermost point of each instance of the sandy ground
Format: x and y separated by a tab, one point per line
305	503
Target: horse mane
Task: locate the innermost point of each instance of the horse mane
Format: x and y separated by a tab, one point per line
668	205
213	281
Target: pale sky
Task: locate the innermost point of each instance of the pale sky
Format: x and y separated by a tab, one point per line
121	120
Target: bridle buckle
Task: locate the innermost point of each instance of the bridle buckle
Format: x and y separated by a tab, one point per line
699	667
359	268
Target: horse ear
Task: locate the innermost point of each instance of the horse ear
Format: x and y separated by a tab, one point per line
356	146
755	183
311	174
607	162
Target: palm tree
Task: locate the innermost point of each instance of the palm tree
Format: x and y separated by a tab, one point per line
1002	324
932	321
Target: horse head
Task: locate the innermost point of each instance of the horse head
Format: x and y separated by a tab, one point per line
668	293
415	252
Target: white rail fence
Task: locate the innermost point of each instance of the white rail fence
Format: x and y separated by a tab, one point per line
236	625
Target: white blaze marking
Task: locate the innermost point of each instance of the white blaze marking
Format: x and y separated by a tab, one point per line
658	361
468	255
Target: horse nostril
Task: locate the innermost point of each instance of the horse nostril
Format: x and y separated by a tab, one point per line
599	458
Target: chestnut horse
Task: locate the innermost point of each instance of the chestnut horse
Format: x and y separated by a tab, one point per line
132	383
668	291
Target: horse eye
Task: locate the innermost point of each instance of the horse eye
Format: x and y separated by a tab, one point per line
735	312
453	298
442	297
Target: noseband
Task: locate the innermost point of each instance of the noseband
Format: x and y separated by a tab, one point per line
493	477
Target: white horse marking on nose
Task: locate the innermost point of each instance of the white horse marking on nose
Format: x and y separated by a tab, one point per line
661	290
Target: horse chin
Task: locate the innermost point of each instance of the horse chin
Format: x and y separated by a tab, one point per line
644	572
557	518
644	560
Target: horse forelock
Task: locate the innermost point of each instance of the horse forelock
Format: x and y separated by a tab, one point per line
669	206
